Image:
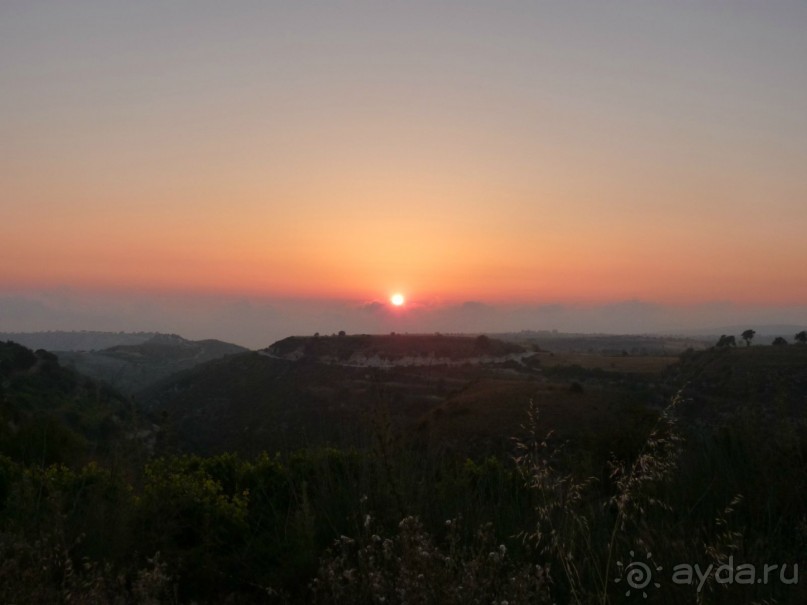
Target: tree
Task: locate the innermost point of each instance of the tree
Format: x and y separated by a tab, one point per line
483	343
748	336
726	341
778	341
801	337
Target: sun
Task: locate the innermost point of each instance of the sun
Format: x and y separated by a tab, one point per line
397	299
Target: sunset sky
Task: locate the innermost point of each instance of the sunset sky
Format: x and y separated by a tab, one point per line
511	155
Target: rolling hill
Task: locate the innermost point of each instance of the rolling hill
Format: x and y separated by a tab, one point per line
49	413
77	340
445	391
132	367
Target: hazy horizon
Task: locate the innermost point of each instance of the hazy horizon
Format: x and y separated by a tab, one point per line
250	170
256	323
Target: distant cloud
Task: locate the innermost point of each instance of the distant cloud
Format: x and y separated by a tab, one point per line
373	307
473	308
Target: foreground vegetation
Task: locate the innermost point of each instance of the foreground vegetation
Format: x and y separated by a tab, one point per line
705	481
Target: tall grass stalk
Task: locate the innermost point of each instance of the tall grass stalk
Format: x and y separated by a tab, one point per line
566	512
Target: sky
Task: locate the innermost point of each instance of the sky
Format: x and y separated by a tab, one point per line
252	169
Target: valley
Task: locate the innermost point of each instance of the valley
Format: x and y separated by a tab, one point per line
246	472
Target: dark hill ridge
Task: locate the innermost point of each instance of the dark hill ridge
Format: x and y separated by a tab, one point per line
253	402
396	349
309	391
305	391
130	368
77	340
49	413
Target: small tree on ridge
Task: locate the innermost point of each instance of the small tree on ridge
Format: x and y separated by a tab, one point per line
726	341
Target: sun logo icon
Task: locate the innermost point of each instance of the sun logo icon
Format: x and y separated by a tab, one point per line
638	574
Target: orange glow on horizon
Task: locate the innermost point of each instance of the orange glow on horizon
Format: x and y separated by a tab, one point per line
243	160
453	238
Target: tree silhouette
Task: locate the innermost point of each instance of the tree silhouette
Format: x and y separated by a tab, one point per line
801	337
483	343
778	341
726	341
748	336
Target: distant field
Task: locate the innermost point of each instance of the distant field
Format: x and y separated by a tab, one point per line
640	364
606	344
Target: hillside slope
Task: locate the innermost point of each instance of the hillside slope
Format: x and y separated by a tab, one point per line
49	413
315	391
77	340
130	368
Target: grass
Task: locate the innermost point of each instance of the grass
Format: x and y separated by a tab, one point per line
587	482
